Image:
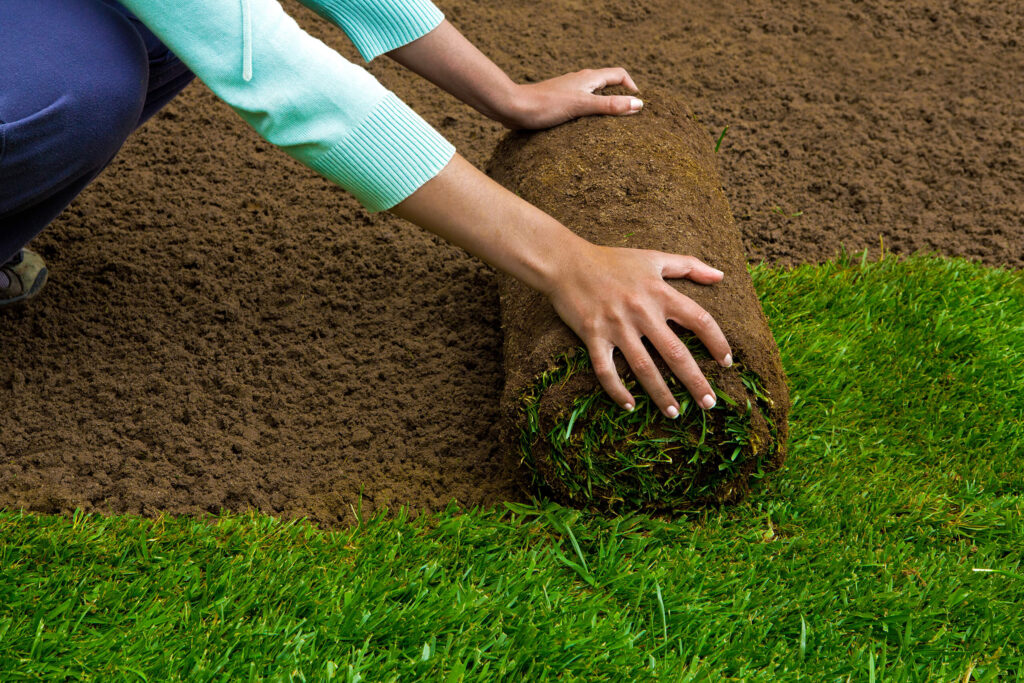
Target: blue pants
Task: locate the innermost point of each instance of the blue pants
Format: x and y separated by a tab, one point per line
76	78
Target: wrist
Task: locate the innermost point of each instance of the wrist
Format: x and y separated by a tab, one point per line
557	259
506	102
465	207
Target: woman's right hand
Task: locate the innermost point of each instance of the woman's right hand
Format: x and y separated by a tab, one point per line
612	297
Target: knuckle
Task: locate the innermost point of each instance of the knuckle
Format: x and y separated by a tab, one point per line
704	321
600	363
590	327
636	303
676	353
695	382
618	324
642	365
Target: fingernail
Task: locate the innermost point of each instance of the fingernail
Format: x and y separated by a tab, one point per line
727	361
672	412
708	402
635	104
628	407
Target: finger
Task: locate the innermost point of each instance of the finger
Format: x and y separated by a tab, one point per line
610	105
608	376
682	364
689	314
601	78
647	372
678	265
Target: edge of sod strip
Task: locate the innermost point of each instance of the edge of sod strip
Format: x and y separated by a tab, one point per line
599	455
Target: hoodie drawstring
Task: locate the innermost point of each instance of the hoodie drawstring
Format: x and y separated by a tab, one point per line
246	42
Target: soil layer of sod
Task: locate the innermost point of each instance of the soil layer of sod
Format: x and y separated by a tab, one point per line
649	181
225	329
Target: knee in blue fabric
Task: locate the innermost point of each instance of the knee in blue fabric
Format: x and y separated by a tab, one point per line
72	90
101	107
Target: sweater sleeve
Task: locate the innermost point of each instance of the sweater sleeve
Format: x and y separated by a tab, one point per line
379	26
301	95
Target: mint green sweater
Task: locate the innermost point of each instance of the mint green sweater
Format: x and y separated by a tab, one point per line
303	96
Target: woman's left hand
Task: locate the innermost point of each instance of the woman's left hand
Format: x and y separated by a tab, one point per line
557	100
445	57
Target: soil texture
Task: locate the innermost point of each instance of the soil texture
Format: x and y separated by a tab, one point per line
225	329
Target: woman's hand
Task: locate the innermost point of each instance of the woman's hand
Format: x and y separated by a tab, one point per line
557	100
446	58
612	297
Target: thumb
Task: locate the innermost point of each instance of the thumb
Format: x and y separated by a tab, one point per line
678	265
614	105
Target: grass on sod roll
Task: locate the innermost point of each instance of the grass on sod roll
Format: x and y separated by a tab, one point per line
605	455
888	548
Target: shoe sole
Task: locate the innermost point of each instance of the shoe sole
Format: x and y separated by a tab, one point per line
33	290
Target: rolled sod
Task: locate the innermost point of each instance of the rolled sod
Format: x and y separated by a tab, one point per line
647	181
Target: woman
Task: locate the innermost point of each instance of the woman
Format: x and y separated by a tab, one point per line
78	76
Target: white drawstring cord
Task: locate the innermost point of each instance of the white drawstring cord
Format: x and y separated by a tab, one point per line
246	42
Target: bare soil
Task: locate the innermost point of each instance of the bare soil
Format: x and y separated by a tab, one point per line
225	329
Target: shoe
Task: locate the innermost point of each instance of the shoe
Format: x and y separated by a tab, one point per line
27	275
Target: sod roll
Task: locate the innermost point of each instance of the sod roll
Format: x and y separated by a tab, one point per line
646	181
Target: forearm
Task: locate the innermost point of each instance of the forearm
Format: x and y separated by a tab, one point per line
448	60
468	209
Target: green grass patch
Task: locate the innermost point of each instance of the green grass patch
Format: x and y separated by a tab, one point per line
889	548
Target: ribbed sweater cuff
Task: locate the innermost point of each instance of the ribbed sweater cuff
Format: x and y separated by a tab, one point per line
388	157
378	26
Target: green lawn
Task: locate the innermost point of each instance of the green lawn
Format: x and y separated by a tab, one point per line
889	548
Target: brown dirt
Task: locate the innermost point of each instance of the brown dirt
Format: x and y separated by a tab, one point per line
649	181
225	329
